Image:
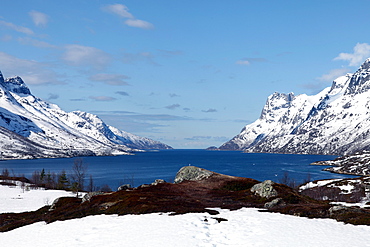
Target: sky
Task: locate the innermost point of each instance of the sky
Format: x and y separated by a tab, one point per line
190	74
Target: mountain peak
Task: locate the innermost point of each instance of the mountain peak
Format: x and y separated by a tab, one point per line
365	65
1	78
16	85
360	81
334	121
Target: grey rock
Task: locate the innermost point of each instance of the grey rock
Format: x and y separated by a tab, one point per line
192	173
264	189
88	196
53	205
124	187
335	210
144	186
158	181
278	202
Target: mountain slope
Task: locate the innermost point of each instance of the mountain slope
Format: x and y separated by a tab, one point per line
30	123
335	121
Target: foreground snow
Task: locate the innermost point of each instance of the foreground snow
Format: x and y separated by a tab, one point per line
244	227
17	199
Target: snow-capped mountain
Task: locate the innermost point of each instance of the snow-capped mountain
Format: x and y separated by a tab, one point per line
335	121
33	128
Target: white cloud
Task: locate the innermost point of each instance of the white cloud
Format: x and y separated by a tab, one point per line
53	96
79	55
333	74
102	98
32	72
243	62
123	12
248	61
361	52
38	18
139	24
118	9
17	28
111	79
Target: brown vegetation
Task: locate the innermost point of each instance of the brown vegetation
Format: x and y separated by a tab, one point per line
217	191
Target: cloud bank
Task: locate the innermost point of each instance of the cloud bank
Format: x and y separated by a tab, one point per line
361	52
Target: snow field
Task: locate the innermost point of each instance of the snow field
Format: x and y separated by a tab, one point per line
244	227
17	199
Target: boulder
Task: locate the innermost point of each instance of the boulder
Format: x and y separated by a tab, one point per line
264	189
89	195
191	173
124	187
335	210
278	202
53	205
158	181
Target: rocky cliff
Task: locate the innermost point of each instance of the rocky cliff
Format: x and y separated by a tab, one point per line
335	121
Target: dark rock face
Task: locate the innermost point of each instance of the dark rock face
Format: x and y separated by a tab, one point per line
335	121
17	85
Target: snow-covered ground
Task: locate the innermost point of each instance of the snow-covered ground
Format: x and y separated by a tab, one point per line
20	199
244	227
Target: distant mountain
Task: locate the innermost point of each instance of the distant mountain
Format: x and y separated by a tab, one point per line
33	128
335	121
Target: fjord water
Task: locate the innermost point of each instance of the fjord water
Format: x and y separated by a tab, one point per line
145	167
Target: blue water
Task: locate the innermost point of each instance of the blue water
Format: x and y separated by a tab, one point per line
147	166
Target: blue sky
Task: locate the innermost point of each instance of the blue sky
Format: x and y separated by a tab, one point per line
188	73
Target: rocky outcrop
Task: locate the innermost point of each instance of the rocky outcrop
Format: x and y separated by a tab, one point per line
265	189
191	173
355	164
351	190
335	121
88	196
158	181
277	202
124	187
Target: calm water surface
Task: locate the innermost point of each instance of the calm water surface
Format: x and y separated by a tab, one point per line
147	166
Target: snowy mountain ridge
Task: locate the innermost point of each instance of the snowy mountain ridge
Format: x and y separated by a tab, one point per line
335	121
33	128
